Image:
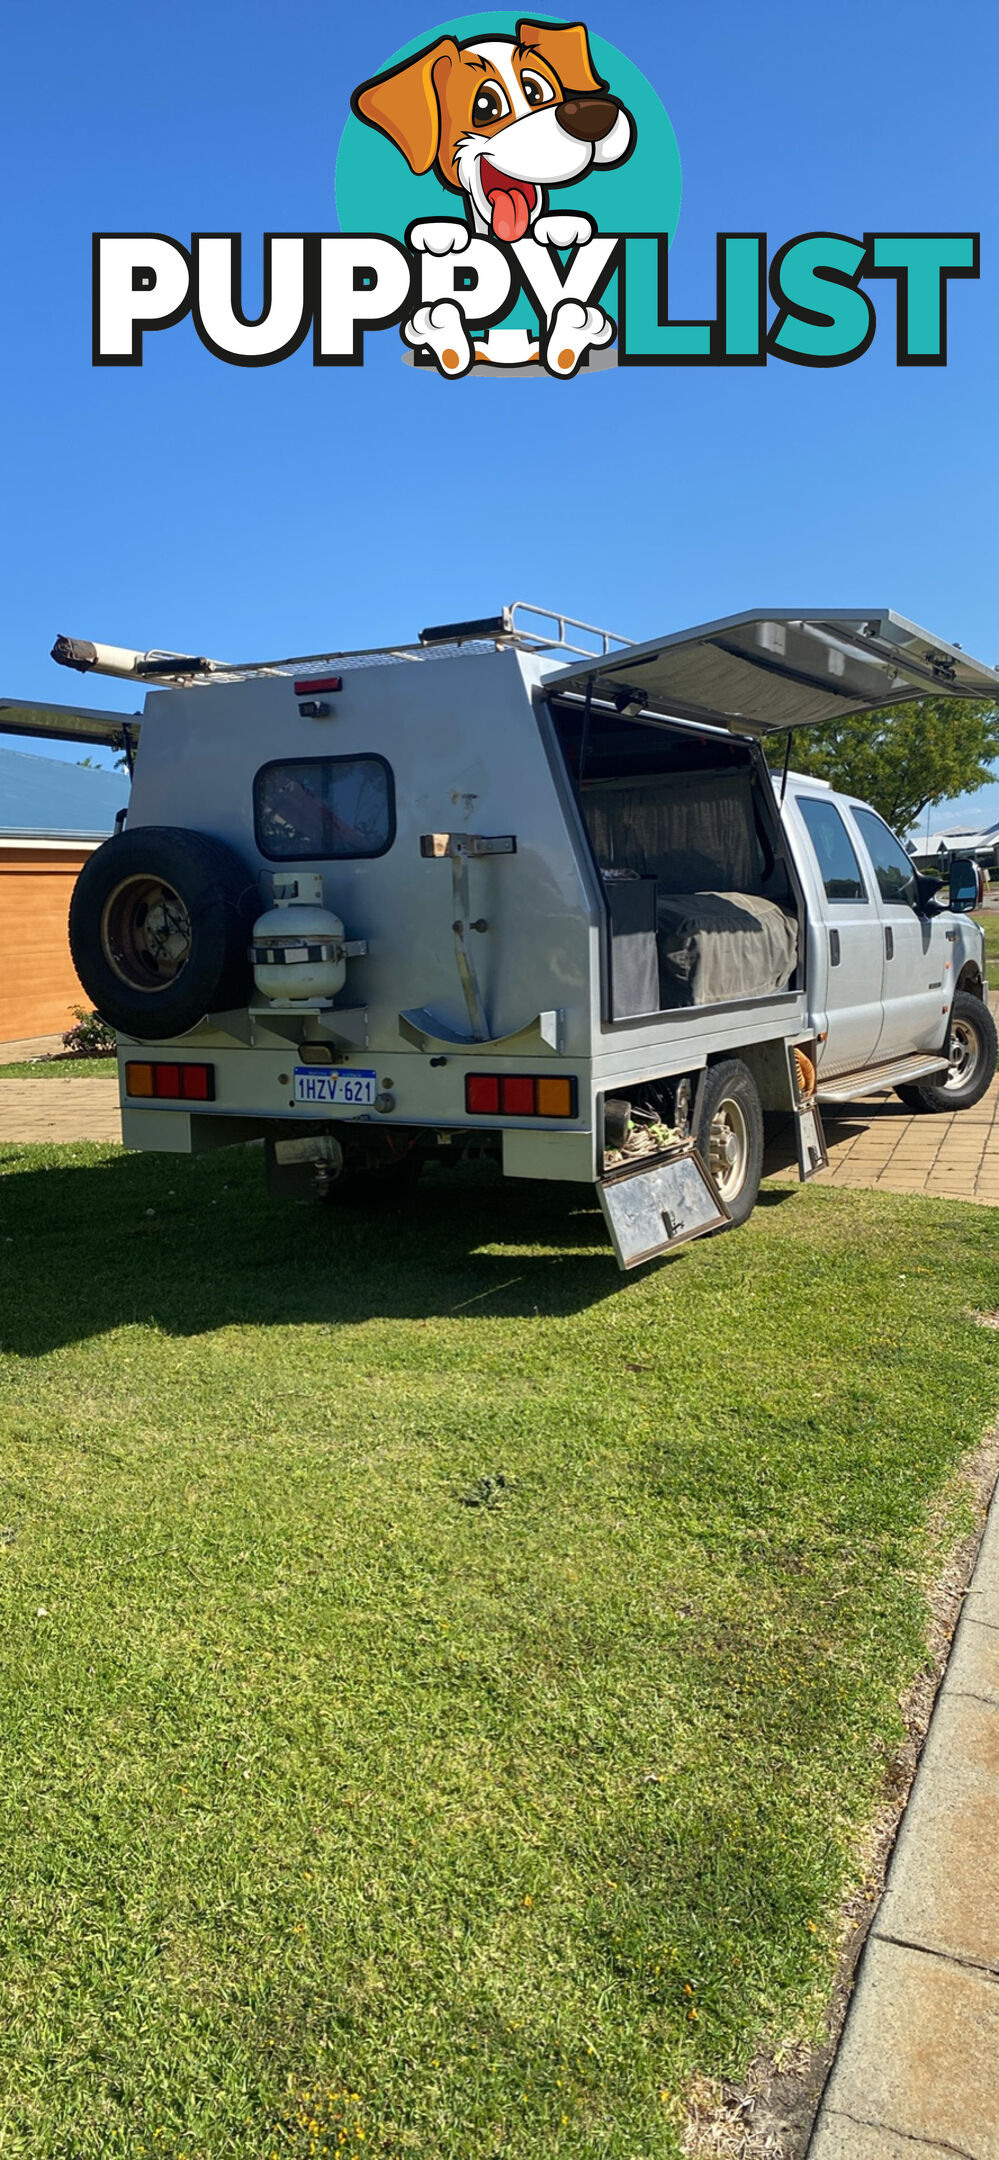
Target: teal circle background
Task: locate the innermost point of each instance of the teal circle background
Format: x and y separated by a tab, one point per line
376	192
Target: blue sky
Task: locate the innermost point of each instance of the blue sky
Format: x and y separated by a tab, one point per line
243	512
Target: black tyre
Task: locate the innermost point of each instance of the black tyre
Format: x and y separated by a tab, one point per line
728	1129
973	1049
159	930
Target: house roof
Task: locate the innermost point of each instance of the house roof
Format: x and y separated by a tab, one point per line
44	798
952	837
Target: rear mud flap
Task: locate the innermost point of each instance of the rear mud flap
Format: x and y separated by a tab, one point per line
649	1210
810	1140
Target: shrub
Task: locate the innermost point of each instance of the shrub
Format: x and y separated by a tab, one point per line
91	1037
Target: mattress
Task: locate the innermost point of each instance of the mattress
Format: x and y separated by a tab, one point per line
718	945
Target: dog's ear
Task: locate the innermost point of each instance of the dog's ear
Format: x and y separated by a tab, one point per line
566	48
405	103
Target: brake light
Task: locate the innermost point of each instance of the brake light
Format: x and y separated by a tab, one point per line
520	1095
311	683
482	1093
517	1094
171	1083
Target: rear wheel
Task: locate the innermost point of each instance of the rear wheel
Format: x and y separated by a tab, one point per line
728	1129
973	1050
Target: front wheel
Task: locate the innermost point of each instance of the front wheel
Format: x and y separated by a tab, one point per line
972	1049
728	1130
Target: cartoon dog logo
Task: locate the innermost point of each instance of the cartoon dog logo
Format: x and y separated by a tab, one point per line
501	121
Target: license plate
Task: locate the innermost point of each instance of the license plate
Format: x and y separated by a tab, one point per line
322	1085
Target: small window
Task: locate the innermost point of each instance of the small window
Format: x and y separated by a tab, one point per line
892	867
838	865
310	809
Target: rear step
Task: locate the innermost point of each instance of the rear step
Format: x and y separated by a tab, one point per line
875	1079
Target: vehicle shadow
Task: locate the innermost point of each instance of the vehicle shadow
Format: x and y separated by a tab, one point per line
192	1245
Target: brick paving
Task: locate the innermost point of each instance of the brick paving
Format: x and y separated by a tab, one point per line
29	1046
882	1144
58	1111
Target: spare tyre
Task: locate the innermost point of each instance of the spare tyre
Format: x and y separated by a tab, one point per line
159	929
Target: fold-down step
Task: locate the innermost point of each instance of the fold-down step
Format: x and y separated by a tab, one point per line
648	1210
875	1079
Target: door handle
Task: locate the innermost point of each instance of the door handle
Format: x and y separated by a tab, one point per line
889	943
834	948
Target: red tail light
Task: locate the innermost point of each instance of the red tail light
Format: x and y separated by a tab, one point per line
482	1094
517	1094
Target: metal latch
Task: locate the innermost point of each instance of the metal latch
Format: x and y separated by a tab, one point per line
460	849
440	845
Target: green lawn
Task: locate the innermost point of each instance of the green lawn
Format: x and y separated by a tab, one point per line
61	1068
336	1803
989	920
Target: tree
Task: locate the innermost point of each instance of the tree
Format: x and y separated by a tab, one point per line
905	757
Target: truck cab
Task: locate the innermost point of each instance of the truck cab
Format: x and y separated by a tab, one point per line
886	959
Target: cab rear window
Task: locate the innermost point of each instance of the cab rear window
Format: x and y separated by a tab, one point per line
315	809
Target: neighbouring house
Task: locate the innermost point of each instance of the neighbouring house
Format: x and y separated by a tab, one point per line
935	851
53	814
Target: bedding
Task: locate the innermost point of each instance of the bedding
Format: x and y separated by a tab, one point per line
718	945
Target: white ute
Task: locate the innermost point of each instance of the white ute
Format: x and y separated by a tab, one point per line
521	888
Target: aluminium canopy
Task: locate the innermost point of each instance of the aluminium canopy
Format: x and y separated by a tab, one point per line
764	673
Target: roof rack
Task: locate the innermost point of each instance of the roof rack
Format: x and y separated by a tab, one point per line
445	641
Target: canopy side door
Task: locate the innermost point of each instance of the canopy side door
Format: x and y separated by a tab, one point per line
763	673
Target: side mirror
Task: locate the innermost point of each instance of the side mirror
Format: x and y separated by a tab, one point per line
964	884
927	889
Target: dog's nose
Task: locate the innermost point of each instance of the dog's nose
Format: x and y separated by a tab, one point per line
589	119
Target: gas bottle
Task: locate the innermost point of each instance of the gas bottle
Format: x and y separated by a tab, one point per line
299	948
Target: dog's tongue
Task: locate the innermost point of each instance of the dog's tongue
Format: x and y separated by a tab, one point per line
510	214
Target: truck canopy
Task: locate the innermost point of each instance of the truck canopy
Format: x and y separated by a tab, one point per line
765	673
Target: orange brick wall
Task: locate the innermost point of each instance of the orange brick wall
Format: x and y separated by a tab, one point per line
38	986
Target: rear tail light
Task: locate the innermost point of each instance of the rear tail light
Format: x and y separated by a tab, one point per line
517	1095
482	1093
171	1083
520	1095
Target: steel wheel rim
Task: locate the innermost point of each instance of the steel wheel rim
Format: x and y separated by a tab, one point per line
146	933
965	1051
728	1148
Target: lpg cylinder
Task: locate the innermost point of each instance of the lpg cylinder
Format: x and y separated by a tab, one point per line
298	948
